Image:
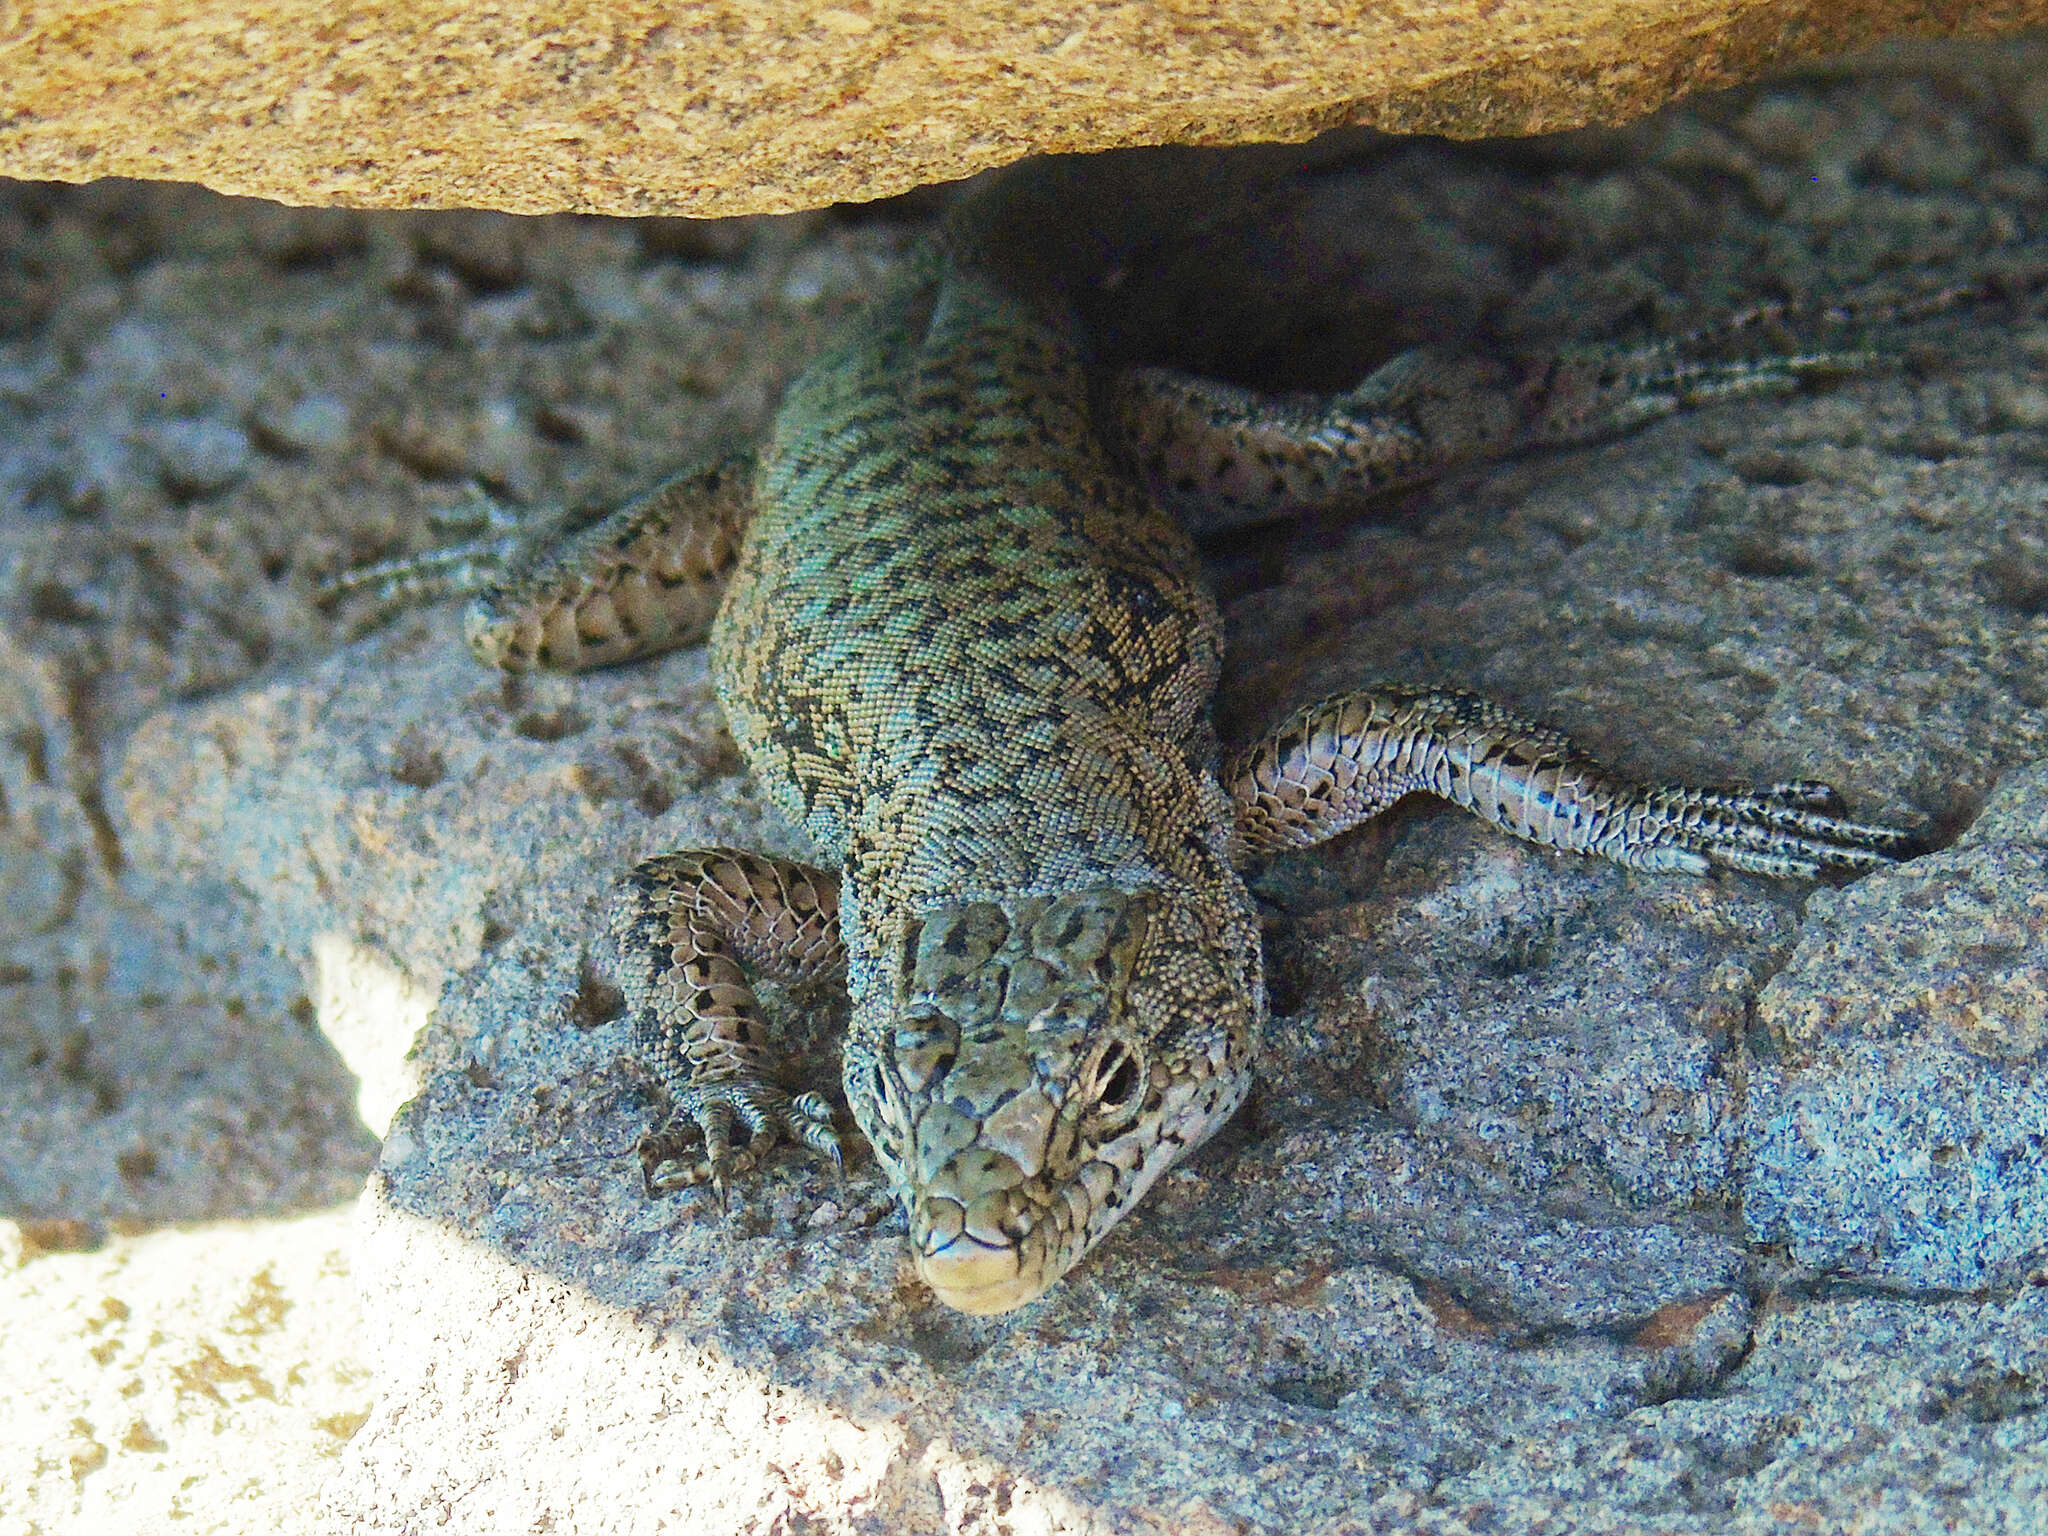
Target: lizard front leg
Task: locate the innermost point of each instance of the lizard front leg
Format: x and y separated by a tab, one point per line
1338	763
645	578
687	923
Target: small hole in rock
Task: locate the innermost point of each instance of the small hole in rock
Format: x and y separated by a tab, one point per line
1767	560
1771	468
415	763
551	724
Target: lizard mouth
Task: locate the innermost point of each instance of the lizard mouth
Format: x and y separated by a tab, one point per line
985	1253
971	1277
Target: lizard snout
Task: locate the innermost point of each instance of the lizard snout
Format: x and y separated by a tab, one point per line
977	1238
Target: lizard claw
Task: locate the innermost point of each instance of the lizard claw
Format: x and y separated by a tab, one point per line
810	1120
1787	830
696	1146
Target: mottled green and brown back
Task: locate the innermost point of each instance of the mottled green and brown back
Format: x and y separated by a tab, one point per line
966	652
960	645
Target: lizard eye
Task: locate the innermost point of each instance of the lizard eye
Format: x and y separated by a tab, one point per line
1117	1079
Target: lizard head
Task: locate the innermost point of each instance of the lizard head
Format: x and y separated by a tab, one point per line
1040	1063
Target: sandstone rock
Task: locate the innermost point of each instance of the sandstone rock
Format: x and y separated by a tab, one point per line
641	108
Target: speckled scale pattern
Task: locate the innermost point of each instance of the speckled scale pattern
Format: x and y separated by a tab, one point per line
1342	761
962	646
953	604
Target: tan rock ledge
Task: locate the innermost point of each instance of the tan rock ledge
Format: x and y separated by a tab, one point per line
739	106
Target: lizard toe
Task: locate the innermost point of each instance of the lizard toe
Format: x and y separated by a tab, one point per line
697	1146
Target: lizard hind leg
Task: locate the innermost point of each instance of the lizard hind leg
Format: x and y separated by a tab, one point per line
453	570
1221	457
686	923
1586	393
1335	764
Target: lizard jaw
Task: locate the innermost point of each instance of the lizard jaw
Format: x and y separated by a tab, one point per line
980	1244
990	1236
969	1276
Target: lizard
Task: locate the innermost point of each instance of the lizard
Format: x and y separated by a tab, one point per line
958	627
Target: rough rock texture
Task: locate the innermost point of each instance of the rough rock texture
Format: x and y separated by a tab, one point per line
639	107
1912	1140
1572	1201
199	1380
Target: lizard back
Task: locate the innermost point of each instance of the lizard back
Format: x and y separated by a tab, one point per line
954	612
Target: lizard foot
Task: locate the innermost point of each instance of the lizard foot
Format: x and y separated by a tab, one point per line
696	1146
1791	830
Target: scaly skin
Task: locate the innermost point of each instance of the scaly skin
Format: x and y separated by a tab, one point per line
974	661
964	648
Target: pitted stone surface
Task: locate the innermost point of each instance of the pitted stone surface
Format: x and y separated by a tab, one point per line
1910	1143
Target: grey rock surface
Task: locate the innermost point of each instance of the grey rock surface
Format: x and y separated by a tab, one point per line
1571	1201
1911	1141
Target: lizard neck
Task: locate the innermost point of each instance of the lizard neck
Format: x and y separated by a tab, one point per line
1104	802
